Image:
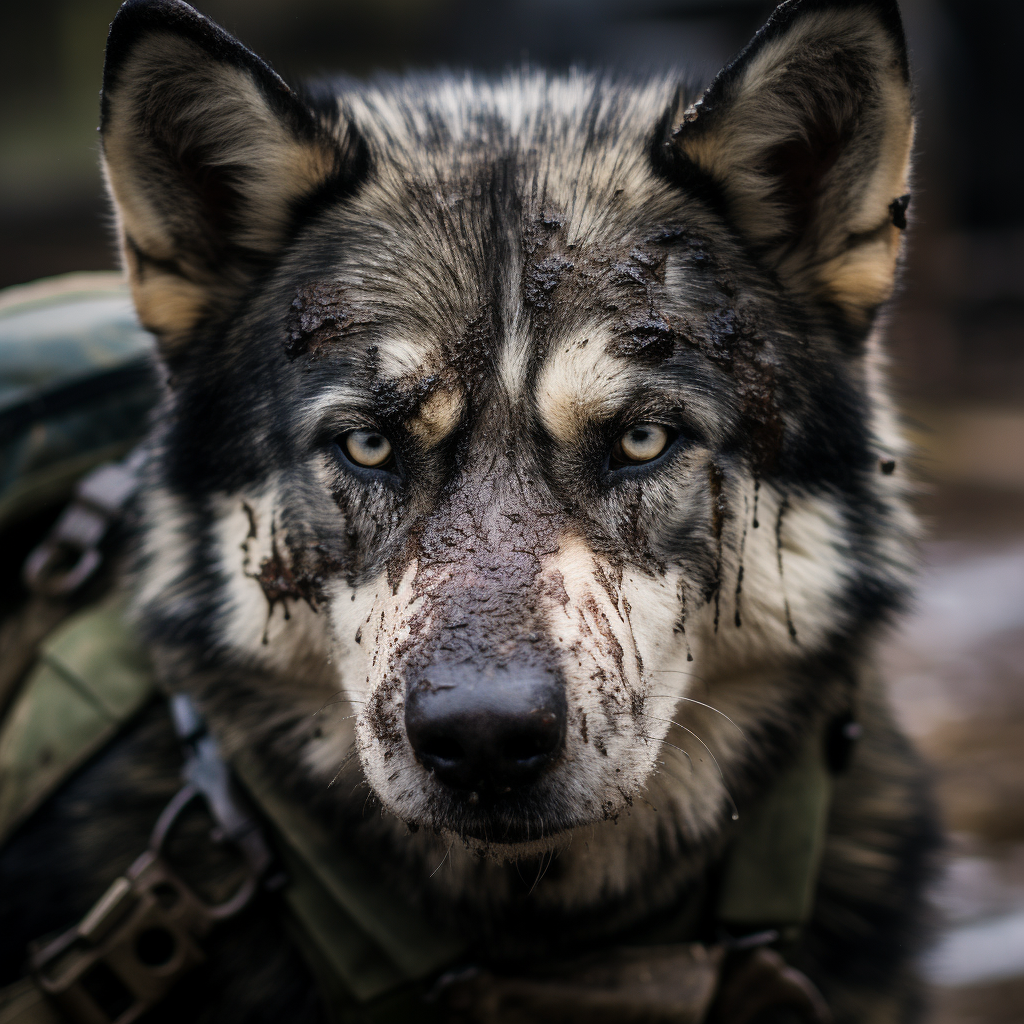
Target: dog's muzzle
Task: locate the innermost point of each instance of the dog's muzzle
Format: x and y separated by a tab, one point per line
487	732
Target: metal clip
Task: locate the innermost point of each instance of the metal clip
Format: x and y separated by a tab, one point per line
141	936
100	498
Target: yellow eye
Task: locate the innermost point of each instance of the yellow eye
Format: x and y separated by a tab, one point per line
642	443
367	448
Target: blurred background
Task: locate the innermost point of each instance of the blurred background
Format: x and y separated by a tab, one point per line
956	335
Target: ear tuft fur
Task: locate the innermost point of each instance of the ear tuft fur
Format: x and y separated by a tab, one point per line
805	141
209	157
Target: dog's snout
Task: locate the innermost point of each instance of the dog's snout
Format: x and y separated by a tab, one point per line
488	735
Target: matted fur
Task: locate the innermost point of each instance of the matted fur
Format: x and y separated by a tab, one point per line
502	276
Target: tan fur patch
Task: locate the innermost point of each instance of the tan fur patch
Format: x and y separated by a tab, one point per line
168	305
438	416
581	383
241	129
758	116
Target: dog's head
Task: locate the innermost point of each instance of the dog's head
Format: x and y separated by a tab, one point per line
506	413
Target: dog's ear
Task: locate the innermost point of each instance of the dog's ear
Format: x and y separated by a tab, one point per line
804	142
210	158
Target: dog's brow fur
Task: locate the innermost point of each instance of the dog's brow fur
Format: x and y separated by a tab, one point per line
581	382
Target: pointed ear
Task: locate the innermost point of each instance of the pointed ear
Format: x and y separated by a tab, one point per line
805	142
210	158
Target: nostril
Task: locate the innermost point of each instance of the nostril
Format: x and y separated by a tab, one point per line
525	746
441	748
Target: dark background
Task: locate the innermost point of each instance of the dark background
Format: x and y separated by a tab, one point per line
958	334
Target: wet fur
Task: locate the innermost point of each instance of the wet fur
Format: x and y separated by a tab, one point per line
503	276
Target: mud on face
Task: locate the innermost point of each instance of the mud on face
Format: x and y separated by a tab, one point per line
512	584
505	687
499	670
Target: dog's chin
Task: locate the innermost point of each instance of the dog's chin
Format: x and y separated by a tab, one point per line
510	825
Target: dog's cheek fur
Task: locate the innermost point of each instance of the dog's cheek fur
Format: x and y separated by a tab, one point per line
606	655
632	672
789	601
164	555
371	625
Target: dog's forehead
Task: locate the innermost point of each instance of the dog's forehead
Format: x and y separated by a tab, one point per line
498	286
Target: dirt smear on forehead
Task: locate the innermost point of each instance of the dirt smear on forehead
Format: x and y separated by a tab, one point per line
622	282
320	316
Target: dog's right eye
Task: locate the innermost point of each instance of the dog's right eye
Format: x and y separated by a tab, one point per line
367	448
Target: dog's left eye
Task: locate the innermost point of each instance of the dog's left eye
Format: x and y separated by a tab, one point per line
640	444
367	448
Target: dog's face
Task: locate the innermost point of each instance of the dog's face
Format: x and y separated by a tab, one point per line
506	414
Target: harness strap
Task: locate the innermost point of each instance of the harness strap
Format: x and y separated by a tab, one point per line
673	984
24	1003
772	869
144	932
57	571
90	679
370	940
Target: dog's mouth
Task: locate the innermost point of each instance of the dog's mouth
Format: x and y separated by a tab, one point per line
512	818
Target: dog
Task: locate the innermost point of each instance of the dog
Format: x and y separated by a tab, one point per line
525	489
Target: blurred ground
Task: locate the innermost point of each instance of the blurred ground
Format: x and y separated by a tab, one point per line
957	669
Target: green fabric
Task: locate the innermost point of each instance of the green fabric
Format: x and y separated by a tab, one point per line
50	333
56	333
772	870
370	940
91	677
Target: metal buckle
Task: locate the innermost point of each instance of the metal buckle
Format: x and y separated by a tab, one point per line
100	498
140	937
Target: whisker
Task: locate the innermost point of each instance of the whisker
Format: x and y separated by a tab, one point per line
345	761
443	859
664	770
542	868
732	802
347	718
340	700
681	751
691	700
735	809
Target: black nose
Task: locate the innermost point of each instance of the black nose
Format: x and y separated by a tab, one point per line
486	734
